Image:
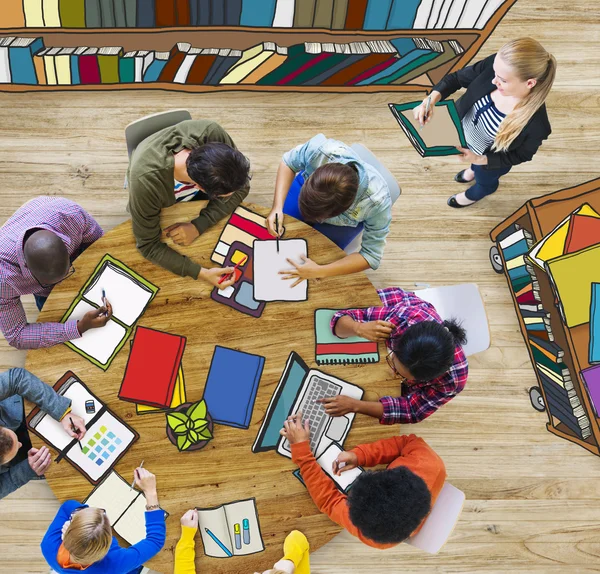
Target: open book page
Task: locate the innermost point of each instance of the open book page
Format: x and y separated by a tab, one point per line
52	431
440	131
326	463
132	525
114	495
242	520
212	524
268	284
99	343
103	443
125	293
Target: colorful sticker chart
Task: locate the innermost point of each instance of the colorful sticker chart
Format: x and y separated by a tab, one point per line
102	445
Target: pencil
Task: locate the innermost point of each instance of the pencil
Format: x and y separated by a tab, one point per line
133	483
236	266
74	429
277	230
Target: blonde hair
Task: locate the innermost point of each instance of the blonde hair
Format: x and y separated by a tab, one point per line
89	536
529	60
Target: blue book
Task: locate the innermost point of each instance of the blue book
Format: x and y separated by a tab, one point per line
20	55
217	13
402	14
204	17
233	12
376	15
516	249
145	14
517	272
231	386
258	13
595	325
75	77
156	66
194	12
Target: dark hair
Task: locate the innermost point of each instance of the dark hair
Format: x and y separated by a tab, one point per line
427	348
6	444
388	505
328	192
218	168
46	255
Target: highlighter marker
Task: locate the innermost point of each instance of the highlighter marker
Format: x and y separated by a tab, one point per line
246	524
237	534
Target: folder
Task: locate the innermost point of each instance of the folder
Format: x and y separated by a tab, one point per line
179	397
584	231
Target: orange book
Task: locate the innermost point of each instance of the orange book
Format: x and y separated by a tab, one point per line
265	68
40	68
583	232
13	14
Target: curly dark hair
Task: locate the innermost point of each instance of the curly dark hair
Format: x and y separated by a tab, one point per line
388	505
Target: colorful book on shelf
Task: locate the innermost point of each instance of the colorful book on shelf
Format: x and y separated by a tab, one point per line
594	347
89	70
224	62
355	15
165	13
176	58
145	14
258	13
551	350
152	368
202	65
591	381
449	51
108	62
275	59
107	437
127	68
250	60
17	60
129	295
284	14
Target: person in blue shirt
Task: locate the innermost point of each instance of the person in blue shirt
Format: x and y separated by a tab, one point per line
339	189
80	537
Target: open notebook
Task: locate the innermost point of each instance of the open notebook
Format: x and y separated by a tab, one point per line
230	529
124	506
128	293
107	437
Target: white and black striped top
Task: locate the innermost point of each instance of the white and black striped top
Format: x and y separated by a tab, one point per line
481	124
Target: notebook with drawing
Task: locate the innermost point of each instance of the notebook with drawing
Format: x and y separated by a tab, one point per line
231	529
128	293
124	506
331	350
269	285
107	437
440	136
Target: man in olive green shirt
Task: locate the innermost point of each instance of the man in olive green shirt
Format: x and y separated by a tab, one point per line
195	159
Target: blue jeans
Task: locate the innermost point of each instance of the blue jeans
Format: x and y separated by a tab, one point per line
486	181
39	301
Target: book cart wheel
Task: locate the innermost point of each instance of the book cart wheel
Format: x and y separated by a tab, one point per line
496	260
537	401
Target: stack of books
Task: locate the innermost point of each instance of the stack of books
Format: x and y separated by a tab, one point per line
323	14
561	396
27	61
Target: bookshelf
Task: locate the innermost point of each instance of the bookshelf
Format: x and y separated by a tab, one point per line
242	38
539	216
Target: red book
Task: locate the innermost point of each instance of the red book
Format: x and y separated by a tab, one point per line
165	13
584	231
89	70
372	71
152	368
183	12
355	16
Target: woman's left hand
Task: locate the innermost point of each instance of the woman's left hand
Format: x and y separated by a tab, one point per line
468	156
308	269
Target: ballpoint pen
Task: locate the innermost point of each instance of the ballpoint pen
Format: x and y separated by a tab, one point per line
133	483
426	111
277	230
76	431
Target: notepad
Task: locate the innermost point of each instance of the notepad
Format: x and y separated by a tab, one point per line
129	295
269	285
231	529
152	368
231	386
179	397
107	437
346	479
330	350
440	136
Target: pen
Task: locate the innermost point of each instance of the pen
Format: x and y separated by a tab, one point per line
237	533
104	299
236	266
426	111
219	543
246	526
133	483
277	230
74	429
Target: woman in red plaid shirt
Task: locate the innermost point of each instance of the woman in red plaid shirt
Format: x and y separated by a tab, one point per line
425	354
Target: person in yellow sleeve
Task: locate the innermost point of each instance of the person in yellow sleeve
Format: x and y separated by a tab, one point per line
295	560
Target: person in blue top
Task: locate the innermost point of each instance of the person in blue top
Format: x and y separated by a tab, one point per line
339	189
80	537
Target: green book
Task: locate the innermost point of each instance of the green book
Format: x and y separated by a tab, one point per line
131	13
417	62
108	62
440	136
129	295
297	57
304	13
72	13
323	14
331	350
107	9
93	15
340	11
119	12
127	68
448	54
547	362
325	64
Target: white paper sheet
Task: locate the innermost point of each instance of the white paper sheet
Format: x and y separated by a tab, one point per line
214	520
126	295
268	284
132	525
326	463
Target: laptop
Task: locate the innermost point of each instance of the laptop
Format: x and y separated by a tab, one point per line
298	390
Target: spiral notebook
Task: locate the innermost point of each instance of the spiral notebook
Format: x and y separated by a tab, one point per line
331	350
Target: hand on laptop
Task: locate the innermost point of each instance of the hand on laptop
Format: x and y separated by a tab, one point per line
294	430
339	405
345	461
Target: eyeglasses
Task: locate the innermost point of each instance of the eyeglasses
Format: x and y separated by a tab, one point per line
390	361
47	286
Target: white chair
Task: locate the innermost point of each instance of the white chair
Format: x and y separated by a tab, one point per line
369	157
441	520
464	303
137	131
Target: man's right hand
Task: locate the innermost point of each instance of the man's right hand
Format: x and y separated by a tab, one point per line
95	318
39	460
214	275
271	226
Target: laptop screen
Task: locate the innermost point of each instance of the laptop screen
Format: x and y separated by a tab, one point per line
281	404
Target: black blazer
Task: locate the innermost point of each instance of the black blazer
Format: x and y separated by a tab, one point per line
478	81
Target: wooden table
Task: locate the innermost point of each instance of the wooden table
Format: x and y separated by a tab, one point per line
226	470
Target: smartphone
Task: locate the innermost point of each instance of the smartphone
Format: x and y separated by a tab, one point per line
345	481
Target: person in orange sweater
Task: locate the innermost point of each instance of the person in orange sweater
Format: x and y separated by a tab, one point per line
385	507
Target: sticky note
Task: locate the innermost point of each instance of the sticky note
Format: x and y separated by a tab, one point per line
91	442
245	296
227	292
239	256
104	441
93	455
97	436
103	429
85	450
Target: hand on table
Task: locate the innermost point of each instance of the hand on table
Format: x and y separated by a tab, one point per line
271	222
213	276
79	424
182	233
95	318
190	519
339	405
467	156
39	460
375	330
308	269
345	461
294	430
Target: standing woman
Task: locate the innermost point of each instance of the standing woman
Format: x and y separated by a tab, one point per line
503	113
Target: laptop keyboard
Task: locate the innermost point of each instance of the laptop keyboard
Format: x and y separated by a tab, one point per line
313	411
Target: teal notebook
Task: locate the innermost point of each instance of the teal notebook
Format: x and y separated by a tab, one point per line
331	350
594	357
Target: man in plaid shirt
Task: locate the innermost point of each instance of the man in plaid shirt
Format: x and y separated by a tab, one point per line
425	353
37	246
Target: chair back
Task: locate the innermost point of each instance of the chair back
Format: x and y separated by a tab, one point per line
368	156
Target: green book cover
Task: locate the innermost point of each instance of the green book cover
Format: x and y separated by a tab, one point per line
93	15
127	70
323	14
119	11
109	66
340	11
131	13
296	58
440	60
304	13
107	10
72	13
549	363
322	66
423	59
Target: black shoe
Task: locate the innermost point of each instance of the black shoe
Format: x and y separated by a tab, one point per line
453	203
460	179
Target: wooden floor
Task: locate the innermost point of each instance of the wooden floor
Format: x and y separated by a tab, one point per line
533	500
